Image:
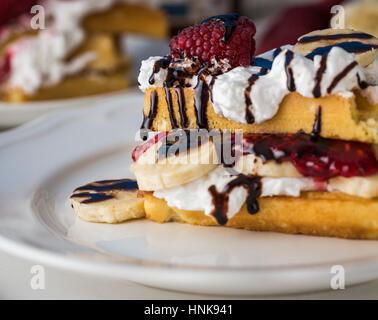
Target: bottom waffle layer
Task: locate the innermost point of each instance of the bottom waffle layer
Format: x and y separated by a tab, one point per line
314	213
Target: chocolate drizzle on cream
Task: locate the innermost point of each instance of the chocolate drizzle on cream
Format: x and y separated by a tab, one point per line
220	199
159	64
341	75
319	76
289	56
262	63
247	95
248	102
103	190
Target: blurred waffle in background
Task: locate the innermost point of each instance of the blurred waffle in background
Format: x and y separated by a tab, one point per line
362	15
67	60
121	33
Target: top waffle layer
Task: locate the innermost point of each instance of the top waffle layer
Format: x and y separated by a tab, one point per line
329	77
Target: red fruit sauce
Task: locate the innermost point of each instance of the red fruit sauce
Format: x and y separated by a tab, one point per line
319	158
313	157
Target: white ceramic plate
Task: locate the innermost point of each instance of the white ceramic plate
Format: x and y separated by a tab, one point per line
42	162
14	114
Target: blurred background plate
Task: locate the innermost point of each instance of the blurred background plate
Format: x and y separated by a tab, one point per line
14	114
43	161
139	48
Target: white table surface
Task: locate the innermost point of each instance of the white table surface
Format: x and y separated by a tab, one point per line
15	279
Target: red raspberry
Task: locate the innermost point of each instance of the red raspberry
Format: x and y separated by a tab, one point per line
222	37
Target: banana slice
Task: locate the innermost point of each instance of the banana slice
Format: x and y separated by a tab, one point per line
251	164
365	187
154	170
109	201
330	37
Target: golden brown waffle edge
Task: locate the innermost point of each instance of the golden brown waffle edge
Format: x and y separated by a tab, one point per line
314	213
342	118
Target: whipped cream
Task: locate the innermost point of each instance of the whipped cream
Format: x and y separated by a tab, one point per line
196	196
160	76
371	92
38	61
371	73
146	71
266	89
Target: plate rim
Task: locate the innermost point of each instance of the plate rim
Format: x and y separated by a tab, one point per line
122	268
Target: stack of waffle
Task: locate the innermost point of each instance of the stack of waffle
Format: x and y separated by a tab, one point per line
309	118
285	141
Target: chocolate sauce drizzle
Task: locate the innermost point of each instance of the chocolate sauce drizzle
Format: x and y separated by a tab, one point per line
182	107
319	76
263	150
228	22
168	99
176	77
341	75
289	56
262	63
265	63
247	96
201	99
317	128
159	64
352	47
220	199
276	52
335	37
101	188
148	120
211	85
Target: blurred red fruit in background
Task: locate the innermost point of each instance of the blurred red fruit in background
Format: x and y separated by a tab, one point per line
10	9
296	21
